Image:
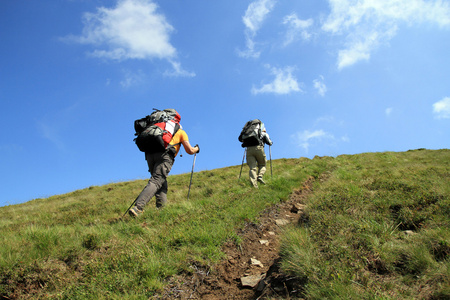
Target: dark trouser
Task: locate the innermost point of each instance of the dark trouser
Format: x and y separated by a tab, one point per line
159	166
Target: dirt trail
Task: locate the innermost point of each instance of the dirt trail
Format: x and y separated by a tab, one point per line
251	270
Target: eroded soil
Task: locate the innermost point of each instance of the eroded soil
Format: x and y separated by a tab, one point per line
251	269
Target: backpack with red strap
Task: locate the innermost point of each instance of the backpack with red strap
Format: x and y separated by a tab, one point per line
155	131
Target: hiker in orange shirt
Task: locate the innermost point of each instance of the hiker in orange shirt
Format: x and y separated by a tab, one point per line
159	166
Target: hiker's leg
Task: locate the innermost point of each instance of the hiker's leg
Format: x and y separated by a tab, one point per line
261	158
252	164
161	196
159	166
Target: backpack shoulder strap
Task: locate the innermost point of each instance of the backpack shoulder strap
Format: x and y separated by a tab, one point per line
177	127
171	147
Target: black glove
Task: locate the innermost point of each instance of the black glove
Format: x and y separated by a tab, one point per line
198	148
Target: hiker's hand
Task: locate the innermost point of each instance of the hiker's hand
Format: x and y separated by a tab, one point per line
198	147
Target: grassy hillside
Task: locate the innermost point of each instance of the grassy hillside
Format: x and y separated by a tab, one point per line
376	227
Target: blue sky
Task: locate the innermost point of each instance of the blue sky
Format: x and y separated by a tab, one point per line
327	77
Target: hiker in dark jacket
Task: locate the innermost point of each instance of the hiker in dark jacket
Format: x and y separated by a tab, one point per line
256	159
159	166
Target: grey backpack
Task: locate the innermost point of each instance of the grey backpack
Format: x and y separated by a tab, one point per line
251	133
155	131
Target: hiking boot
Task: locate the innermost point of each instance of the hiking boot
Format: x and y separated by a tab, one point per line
135	212
261	180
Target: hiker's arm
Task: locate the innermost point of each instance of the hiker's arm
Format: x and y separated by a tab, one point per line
189	149
266	139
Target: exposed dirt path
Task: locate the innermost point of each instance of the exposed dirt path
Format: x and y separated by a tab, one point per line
251	270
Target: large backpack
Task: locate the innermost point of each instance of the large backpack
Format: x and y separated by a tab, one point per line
155	131
251	133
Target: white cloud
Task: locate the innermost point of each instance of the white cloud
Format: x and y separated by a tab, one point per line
131	30
250	51
325	119
52	134
55	125
256	13
296	27
253	19
178	71
304	139
320	86
315	137
367	24
284	83
441	109
132	78
361	48
388	111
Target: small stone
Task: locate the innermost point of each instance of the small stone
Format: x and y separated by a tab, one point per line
252	280
297	207
281	222
256	262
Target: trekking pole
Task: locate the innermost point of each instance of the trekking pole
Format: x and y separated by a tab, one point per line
245	150
130	207
270	155
192	173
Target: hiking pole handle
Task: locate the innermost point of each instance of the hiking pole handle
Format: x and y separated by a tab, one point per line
192	173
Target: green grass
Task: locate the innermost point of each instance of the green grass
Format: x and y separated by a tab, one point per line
75	246
376	228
